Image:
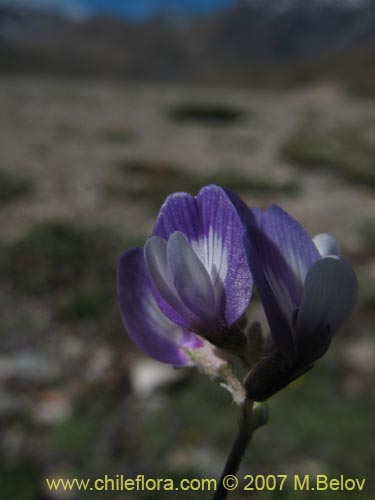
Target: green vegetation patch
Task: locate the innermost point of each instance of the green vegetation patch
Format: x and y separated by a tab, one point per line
206	112
367	234
367	295
347	149
59	255
200	415
21	482
74	267
151	181
13	186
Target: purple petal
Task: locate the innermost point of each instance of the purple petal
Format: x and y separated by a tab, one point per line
327	245
280	254
294	244
271	272
247	216
147	326
165	293
179	212
329	298
214	230
190	277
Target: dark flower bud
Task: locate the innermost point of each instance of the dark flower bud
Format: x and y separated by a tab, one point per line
269	376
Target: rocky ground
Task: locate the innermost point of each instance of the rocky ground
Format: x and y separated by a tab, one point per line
84	166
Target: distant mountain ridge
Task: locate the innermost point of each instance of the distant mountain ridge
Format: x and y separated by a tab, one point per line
144	9
250	42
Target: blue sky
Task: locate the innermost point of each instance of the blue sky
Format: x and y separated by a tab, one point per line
148	7
134	9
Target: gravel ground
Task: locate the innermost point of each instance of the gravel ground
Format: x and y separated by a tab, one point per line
51	130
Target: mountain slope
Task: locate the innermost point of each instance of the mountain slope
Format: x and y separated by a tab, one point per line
249	43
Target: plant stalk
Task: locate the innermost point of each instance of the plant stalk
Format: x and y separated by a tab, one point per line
246	426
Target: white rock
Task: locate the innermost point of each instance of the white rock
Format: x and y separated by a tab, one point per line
29	367
148	376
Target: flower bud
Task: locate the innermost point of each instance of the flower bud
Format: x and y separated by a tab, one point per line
269	376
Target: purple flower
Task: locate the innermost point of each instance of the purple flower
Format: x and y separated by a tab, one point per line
190	281
307	292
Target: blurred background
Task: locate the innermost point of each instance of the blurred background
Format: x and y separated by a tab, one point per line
106	108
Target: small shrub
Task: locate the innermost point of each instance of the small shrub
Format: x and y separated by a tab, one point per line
14	186
206	112
367	295
367	234
84	303
59	255
345	149
151	181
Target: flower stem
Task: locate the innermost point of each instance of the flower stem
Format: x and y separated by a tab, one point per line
250	419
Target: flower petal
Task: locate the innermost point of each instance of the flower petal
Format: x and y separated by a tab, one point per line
226	257
294	244
147	326
328	300
165	293
179	212
214	230
271	274
190	277
327	245
280	252
248	216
